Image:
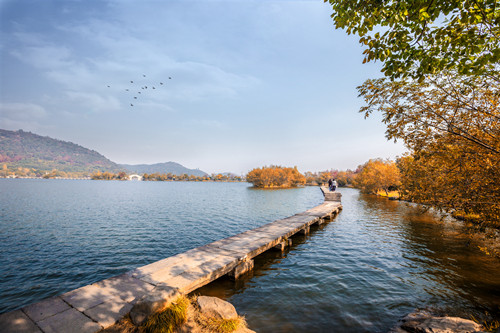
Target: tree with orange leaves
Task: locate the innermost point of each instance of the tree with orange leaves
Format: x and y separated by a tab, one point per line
377	174
275	176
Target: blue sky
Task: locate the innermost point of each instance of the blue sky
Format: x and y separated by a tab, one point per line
252	83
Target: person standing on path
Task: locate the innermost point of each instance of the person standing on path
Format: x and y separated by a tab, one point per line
334	185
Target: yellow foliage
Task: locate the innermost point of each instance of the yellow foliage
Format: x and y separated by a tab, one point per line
275	176
390	194
454	178
376	175
451	125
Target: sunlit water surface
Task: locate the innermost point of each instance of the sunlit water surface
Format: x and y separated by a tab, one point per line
377	261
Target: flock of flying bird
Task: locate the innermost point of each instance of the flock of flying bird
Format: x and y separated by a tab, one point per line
143	88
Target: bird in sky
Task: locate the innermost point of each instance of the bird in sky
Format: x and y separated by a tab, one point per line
144	81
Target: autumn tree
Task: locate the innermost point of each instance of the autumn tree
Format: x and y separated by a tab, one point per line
275	176
122	175
345	178
311	178
5	171
103	175
416	38
437	178
377	174
55	173
451	124
444	107
464	108
324	176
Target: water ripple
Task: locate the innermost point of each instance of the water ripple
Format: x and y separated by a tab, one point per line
377	261
59	235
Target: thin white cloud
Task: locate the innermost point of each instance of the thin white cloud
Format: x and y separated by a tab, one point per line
211	124
25	116
151	107
34	50
91	102
21	111
196	81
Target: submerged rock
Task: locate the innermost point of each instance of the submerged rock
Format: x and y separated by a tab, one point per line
423	322
216	307
204	308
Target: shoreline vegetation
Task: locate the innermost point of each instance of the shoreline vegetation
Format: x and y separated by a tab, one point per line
395	180
6	172
276	177
438	96
168	177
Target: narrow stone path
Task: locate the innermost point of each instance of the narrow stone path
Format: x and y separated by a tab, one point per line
145	289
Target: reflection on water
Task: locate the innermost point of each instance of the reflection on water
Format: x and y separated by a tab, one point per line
58	235
377	261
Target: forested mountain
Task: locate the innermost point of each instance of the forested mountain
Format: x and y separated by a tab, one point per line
19	149
163	168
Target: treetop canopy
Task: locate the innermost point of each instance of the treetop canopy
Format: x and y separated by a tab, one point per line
415	38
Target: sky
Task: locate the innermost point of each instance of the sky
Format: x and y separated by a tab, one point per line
238	84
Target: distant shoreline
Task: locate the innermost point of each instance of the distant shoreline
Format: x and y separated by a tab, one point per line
133	180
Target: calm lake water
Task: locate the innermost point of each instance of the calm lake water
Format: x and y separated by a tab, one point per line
377	261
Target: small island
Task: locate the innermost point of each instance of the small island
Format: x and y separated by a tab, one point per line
276	177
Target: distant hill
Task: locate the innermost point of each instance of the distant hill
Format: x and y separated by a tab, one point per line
28	150
163	168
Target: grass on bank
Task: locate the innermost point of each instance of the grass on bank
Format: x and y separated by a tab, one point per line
170	319
176	315
221	325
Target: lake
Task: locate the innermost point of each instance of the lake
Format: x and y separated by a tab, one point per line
377	261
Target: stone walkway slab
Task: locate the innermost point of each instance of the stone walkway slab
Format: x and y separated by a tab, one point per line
90	308
70	321
86	297
109	312
125	286
17	322
46	308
